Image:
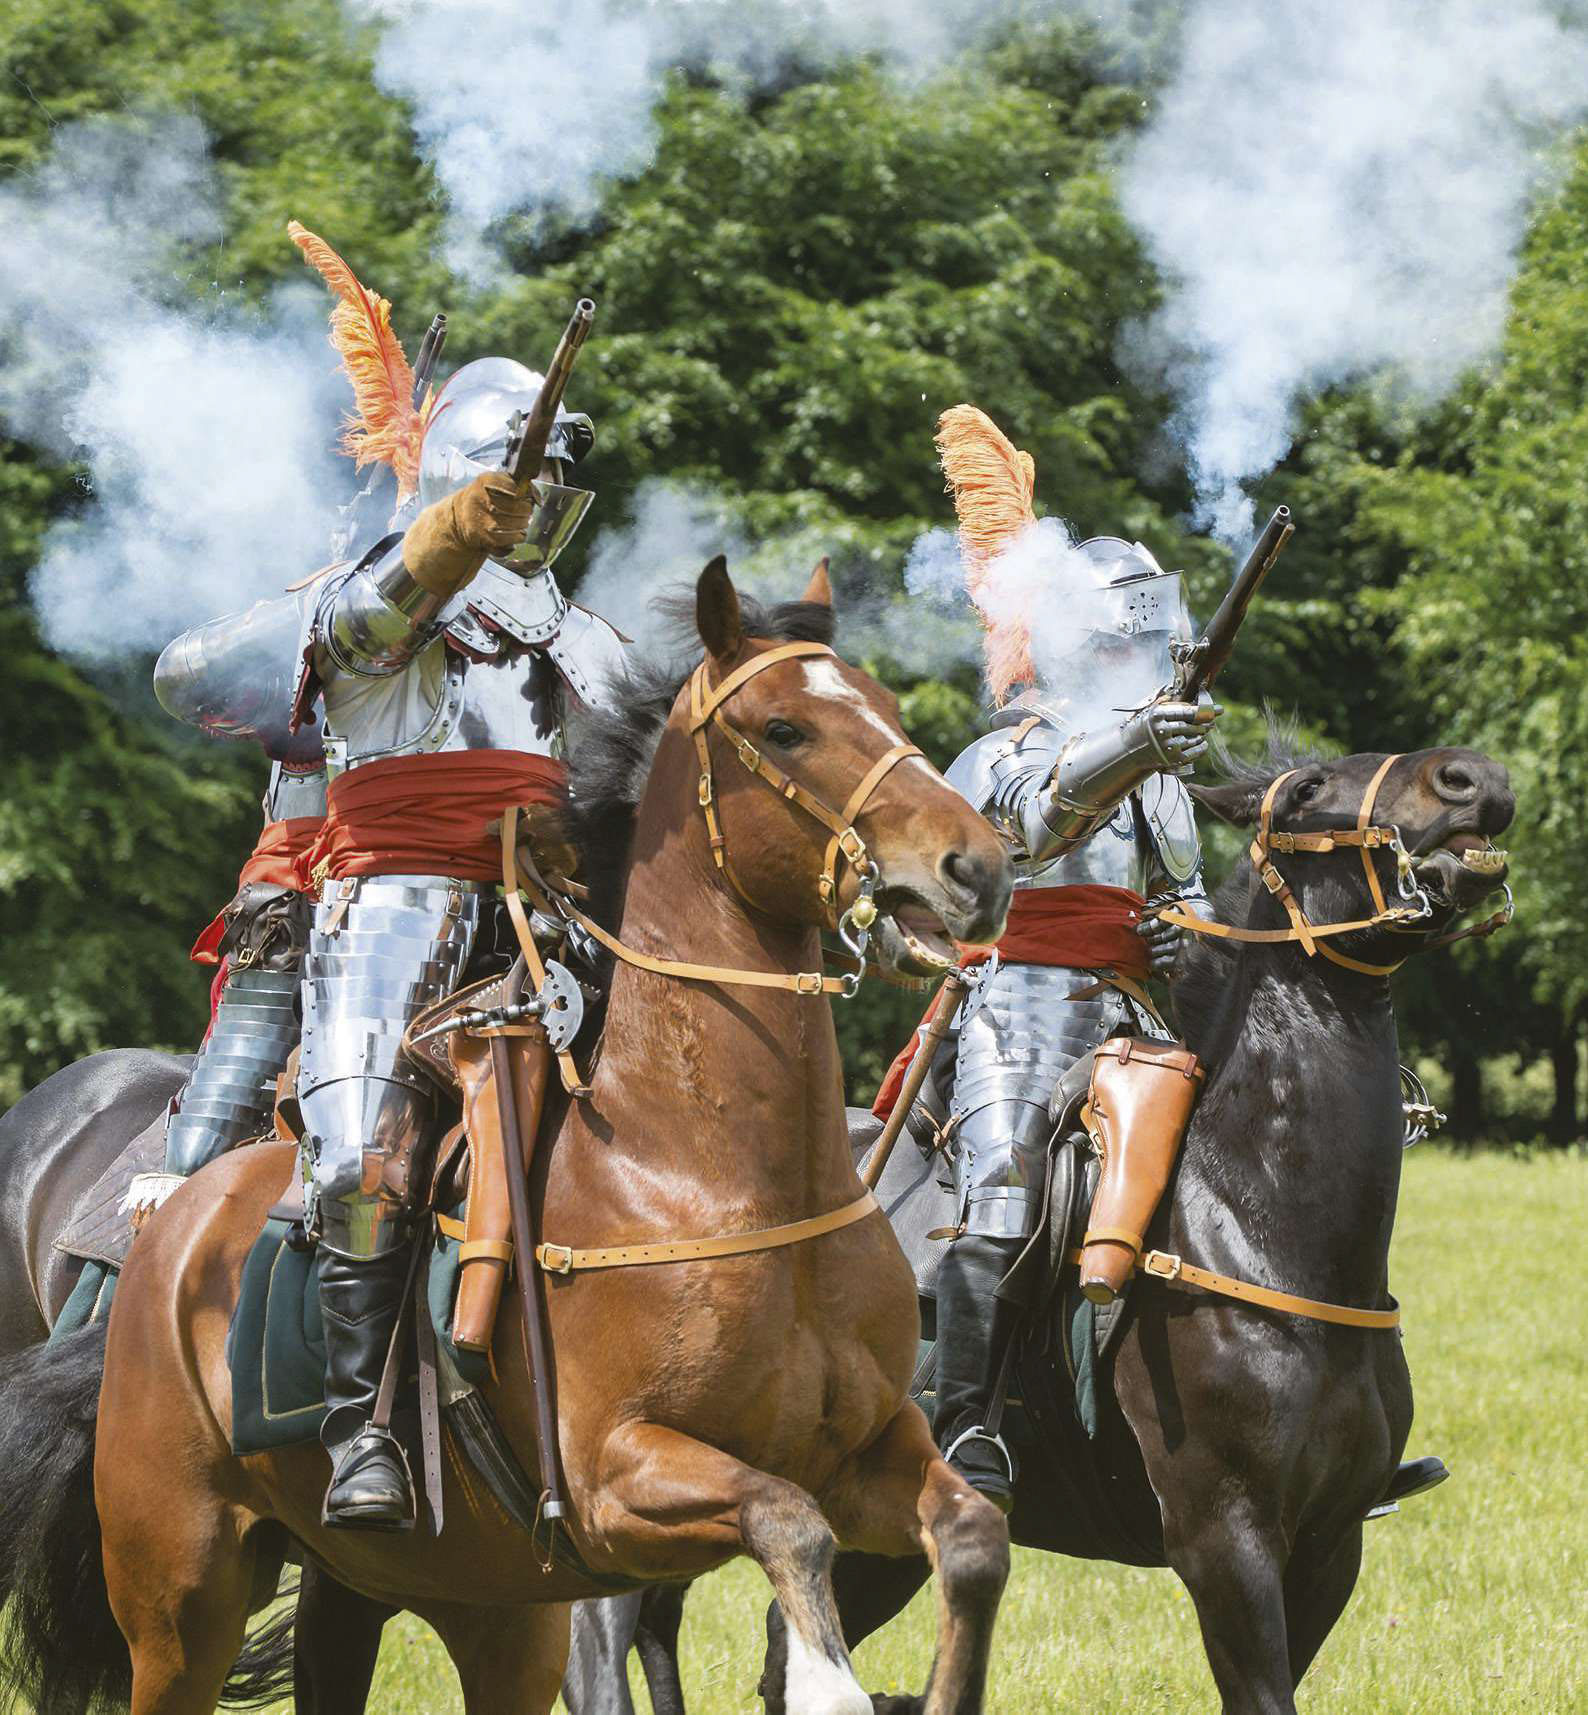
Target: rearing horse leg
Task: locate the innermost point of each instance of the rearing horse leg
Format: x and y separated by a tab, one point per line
1317	1589
660	1490
900	1497
185	1627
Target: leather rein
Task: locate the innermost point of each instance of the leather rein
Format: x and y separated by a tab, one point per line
1313	937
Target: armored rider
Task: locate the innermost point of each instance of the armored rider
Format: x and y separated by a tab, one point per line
444	659
1080	773
220	677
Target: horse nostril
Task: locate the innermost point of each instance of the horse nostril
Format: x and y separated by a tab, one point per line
962	872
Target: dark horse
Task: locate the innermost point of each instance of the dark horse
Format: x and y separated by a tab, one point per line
1239	1445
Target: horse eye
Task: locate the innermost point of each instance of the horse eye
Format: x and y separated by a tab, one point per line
784	736
1308	790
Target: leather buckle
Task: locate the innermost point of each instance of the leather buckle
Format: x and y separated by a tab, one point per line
748	754
808	982
564	1259
852	846
703	792
1163	1265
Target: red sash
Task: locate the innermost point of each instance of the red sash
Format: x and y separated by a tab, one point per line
429	815
279	857
1080	926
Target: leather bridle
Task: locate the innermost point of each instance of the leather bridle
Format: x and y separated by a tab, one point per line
853	924
705	712
1314	937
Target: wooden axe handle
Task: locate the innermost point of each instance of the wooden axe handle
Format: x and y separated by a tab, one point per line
949	996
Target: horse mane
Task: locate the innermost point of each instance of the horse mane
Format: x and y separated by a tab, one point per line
1202	983
611	749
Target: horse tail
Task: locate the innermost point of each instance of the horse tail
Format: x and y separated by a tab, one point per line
59	1645
263	1674
60	1648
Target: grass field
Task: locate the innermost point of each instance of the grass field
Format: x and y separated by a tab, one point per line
1474	1599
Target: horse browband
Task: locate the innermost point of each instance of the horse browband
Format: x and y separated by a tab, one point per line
1365	836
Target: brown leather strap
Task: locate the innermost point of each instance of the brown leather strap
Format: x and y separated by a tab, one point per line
499	1250
564	1259
801	982
1113	1236
1162	1265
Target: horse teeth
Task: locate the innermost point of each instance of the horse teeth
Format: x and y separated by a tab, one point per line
1487	862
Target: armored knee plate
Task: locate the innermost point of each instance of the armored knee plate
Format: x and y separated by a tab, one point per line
231	1090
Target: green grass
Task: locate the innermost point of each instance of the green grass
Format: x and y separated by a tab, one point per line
1474	1599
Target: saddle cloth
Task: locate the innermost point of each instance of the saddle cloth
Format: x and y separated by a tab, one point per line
276	1342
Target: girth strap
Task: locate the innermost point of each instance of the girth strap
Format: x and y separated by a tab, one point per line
565	1259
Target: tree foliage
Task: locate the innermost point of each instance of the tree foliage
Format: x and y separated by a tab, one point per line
790	293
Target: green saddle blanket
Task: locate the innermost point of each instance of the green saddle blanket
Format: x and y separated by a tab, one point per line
276	1344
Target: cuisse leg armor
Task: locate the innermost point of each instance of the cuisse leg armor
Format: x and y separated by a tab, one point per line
1020	1033
383	948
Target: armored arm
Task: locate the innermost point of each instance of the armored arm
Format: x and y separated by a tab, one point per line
1051	791
1169	822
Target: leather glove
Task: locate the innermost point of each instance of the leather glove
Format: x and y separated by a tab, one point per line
1178	732
449	541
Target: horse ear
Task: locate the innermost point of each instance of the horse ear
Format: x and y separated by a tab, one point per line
1236	803
717	613
820	589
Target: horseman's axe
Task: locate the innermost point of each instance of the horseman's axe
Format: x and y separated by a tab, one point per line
955	986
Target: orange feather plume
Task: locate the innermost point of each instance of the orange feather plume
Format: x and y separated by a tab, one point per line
385	428
992	483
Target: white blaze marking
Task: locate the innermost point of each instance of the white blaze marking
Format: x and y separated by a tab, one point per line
823	678
814	1685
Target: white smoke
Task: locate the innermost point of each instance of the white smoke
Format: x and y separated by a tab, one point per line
1332	191
532	106
677	527
206	430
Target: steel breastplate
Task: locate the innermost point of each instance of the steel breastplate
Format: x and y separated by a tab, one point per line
444	700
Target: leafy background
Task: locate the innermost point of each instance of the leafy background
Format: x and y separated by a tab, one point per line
790	293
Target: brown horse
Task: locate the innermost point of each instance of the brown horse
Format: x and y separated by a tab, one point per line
749	1404
1239	1444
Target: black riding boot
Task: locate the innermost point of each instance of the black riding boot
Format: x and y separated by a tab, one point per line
360	1297
973	1330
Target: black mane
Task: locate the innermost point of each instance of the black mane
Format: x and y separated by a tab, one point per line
611	750
1202	983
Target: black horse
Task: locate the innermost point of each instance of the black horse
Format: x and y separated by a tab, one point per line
1242	1446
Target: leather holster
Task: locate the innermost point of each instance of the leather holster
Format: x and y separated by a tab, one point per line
1136	1112
488	1226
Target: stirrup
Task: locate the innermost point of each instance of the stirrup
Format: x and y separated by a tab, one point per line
1002	1494
380	1509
